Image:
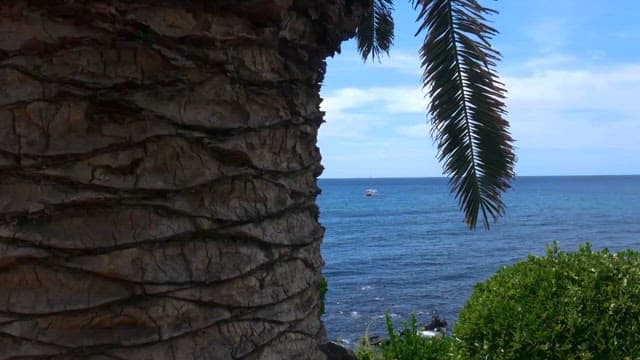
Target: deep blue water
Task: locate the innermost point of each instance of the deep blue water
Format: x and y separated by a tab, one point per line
407	249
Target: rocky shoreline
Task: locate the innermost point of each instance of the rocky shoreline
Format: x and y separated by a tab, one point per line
335	350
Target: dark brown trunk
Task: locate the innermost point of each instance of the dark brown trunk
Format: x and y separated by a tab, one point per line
158	167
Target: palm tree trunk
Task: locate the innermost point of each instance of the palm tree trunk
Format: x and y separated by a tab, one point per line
158	168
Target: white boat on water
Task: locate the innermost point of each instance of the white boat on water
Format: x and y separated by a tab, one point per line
428	333
371	192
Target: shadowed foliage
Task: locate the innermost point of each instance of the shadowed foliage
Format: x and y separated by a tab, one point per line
375	30
466	99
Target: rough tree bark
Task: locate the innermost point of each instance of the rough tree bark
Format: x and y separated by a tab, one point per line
158	168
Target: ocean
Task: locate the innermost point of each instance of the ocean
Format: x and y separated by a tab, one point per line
408	250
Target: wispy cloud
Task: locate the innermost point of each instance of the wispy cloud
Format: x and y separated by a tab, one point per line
556	104
402	62
607	88
351	112
398	61
549	34
420	130
576	108
548	61
629	32
572	81
378	131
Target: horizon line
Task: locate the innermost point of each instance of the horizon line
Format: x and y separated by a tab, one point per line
446	177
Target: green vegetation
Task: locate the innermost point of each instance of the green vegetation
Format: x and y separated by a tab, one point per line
467	100
580	305
407	345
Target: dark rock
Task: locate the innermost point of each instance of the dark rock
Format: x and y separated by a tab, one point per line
376	340
335	351
437	324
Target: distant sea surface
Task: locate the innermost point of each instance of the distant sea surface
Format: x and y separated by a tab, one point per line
407	249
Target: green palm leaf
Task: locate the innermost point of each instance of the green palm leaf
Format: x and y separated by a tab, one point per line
467	101
467	104
375	30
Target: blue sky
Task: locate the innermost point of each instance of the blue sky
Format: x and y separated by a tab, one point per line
572	69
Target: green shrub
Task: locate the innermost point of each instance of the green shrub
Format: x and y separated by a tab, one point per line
407	345
366	351
583	305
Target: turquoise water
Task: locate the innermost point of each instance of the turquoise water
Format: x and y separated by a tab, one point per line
408	250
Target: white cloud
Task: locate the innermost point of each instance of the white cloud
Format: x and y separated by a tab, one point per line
550	34
555	104
550	60
351	112
385	157
627	34
402	62
414	131
576	108
605	87
558	103
393	100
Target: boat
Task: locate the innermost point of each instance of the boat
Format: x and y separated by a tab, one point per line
428	333
370	192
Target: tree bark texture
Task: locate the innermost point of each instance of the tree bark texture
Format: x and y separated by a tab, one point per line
158	168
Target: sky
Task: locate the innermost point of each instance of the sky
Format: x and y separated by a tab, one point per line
572	71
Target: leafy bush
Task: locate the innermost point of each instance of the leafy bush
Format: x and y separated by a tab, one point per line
366	351
583	305
407	345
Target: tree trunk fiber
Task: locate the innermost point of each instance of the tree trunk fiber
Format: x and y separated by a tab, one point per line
158	168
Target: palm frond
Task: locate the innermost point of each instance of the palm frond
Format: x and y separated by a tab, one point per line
375	30
467	104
